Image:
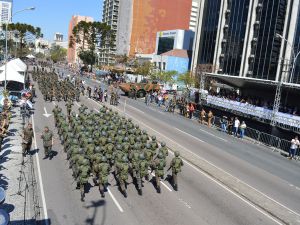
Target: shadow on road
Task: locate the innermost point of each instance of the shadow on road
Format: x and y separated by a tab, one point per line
96	205
53	154
3	181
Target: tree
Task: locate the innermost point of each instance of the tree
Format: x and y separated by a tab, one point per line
144	68
187	79
24	31
57	53
91	36
40	55
168	76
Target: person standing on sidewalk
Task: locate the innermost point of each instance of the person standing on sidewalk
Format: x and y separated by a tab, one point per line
191	110
27	139
242	129
294	145
236	125
47	141
210	116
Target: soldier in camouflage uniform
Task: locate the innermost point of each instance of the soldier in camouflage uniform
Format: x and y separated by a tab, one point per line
176	165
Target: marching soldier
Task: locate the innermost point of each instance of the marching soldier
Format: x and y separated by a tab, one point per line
158	166
47	141
27	137
176	165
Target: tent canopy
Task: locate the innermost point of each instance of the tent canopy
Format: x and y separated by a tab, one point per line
30	56
14	71
20	64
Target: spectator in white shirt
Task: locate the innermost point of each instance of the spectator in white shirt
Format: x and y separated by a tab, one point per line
236	126
294	145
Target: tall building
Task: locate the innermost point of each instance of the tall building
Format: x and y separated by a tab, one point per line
140	20
58	37
248	38
73	52
194	14
5	11
110	17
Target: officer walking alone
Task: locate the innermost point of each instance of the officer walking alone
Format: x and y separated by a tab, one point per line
47	141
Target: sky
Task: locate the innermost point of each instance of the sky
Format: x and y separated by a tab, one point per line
54	15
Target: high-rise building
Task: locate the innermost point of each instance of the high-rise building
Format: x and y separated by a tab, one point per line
110	17
73	52
140	20
248	38
5	11
194	14
58	37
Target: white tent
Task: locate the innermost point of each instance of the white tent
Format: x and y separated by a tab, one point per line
30	57
12	74
21	65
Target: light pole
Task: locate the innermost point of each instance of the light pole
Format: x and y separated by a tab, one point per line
6	53
295	56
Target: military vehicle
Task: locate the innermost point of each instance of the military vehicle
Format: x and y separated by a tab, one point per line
140	88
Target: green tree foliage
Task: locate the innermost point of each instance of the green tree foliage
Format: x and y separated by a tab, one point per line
57	53
187	79
144	68
164	76
24	30
91	36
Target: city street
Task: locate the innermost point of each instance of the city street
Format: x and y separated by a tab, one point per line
202	198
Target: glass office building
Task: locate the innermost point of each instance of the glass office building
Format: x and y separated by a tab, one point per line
234	31
265	49
296	47
240	38
209	31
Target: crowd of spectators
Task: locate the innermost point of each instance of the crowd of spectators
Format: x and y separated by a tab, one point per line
254	100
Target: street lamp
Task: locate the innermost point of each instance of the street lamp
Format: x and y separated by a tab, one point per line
6	53
295	56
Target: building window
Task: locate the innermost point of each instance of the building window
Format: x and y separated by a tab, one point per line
164	66
209	32
267	50
234	34
165	44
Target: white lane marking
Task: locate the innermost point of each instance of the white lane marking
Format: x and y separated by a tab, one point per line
96	110
166	186
40	175
235	194
77	104
213	165
54	103
213	135
115	200
190	135
298	188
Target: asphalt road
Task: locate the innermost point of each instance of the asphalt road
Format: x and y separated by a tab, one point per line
200	199
258	166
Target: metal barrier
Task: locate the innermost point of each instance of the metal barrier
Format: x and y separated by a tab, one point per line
257	136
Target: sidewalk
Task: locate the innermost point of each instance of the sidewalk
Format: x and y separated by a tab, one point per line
17	179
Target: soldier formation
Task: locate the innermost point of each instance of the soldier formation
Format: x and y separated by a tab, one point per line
98	144
54	89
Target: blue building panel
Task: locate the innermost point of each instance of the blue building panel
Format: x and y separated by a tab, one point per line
181	65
